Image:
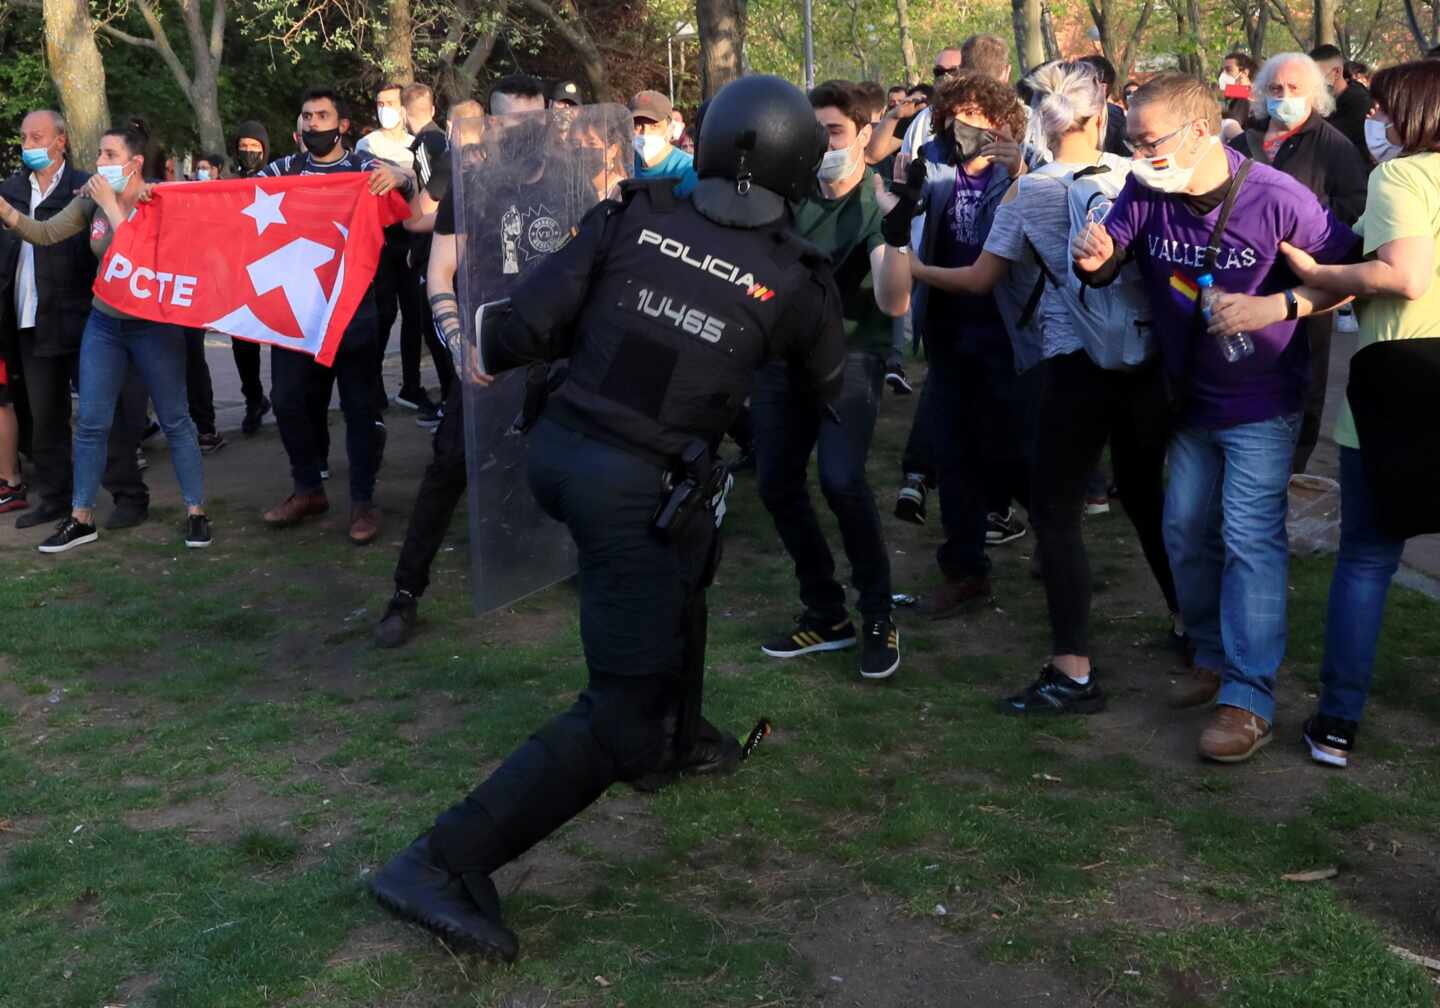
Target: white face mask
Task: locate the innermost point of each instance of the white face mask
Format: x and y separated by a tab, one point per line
1381	149
1290	111
649	146
389	117
837	164
1164	174
1226	80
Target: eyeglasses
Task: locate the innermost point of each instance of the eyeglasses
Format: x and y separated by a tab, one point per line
940	71
1152	148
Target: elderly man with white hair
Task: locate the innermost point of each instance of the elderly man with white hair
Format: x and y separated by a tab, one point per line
1289	102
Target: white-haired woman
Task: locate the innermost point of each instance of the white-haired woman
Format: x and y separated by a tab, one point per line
1080	405
1290	103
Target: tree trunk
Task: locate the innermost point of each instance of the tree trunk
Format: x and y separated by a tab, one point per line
1192	18
79	75
907	42
1029	34
721	24
1255	31
1047	24
1325	22
398	57
1424	40
565	18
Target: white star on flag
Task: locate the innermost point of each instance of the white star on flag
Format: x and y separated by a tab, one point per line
265	210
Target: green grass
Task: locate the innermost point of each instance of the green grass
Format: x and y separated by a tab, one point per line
194	817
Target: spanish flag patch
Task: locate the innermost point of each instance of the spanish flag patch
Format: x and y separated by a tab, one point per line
1180	282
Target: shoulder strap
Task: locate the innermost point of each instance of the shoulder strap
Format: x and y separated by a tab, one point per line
1212	249
660	190
1032	303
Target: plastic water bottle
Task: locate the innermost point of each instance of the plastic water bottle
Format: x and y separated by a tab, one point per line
1235	346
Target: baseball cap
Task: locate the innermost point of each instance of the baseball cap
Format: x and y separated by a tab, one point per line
566	91
650	105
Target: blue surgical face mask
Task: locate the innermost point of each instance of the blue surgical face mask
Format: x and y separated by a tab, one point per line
1290	111
202	175
36	158
115	175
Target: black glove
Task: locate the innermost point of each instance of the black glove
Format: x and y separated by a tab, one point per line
895	227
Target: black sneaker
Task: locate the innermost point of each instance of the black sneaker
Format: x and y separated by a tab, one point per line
1001	529
197	531
398	623
254	413
429	417
880	650
129	512
69	534
1330	739
910	501
899	384
1055	693
141	462
211	443
811	635
415	399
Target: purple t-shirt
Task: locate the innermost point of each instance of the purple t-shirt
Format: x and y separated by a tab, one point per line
1168	241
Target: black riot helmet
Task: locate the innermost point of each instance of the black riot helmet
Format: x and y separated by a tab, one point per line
759	146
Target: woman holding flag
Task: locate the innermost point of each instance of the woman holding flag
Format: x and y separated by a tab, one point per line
112	342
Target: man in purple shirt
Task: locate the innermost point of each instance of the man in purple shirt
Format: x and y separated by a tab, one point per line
1236	422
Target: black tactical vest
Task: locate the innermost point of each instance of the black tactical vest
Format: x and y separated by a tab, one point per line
680	316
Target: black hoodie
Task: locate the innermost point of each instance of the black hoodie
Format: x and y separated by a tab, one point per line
253	131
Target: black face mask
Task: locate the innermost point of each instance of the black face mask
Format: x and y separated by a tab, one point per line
251	159
968	140
591	161
320	142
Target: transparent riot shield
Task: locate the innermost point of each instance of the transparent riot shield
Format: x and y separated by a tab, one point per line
521	184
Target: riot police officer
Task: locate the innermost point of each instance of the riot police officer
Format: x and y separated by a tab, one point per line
666	307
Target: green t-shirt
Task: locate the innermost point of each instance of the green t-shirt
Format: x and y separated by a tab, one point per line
848	230
1403	202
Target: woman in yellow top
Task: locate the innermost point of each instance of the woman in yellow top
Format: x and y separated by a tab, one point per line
1399	299
112	342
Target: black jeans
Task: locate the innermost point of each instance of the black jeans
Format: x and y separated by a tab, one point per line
1318	329
247	365
978	434
198	387
300	389
400	289
440	490
641	603
47	389
789	425
1080	406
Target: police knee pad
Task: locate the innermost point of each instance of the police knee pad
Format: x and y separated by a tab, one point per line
629	723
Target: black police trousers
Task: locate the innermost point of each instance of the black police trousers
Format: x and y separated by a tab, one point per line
642	623
441	488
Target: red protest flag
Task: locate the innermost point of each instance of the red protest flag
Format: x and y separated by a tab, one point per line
284	261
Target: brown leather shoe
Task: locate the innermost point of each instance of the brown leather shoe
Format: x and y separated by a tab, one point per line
1193	687
297	507
1233	735
364	524
952	596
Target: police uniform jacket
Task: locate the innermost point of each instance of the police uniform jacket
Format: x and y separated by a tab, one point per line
666	316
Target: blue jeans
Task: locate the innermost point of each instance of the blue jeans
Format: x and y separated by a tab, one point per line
789	425
1225	534
1367	561
107	350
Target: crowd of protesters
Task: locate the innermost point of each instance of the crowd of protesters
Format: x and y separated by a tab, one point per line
1157	266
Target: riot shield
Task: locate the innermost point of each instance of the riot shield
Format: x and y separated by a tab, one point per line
521	184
